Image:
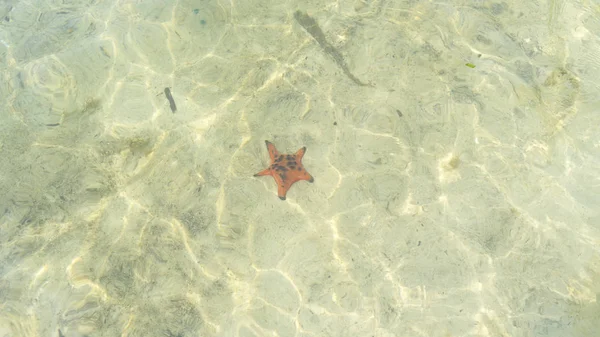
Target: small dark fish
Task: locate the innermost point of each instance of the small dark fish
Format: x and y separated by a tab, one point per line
312	27
53	124
171	100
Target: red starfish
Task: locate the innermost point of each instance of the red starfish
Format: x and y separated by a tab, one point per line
286	169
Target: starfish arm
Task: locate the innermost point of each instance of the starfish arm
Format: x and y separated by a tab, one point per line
265	172
300	153
303	175
282	190
273	153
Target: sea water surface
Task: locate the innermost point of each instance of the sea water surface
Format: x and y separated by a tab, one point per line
455	147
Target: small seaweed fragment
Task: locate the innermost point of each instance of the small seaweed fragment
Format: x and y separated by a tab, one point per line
470	65
171	100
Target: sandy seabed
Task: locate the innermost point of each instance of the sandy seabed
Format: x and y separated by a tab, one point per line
455	149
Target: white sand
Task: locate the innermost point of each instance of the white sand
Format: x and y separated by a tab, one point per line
448	200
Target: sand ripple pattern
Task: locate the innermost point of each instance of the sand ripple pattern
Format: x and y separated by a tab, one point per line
455	148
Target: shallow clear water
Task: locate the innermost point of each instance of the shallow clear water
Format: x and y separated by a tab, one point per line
455	148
